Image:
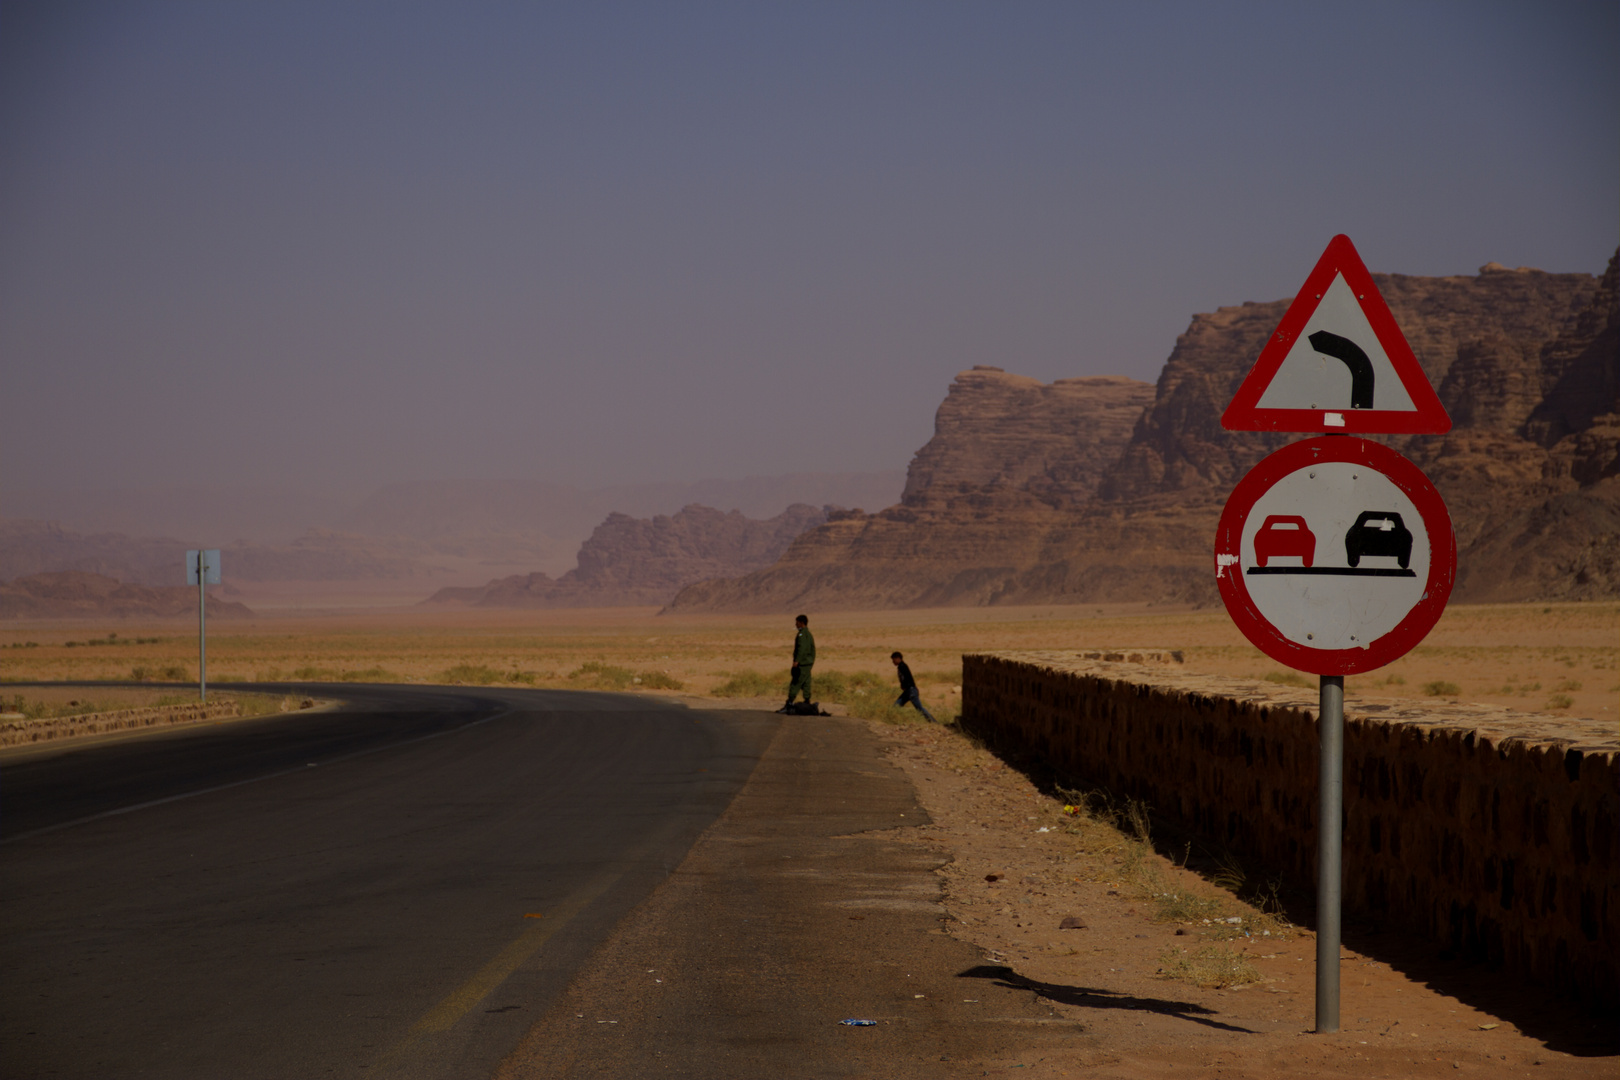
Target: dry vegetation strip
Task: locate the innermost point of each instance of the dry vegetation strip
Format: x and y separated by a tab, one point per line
1560	658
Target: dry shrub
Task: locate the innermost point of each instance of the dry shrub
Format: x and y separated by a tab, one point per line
1213	967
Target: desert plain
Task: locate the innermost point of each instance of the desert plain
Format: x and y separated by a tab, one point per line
1019	860
1559	658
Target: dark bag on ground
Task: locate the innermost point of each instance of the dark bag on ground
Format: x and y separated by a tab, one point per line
806	708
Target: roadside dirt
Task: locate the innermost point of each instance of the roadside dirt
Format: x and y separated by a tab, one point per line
1021	867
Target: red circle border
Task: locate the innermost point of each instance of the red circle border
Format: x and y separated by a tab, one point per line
1405	476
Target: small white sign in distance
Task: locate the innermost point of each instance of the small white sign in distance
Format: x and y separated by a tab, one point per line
210	559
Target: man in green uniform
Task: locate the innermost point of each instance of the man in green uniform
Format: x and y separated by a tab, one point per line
804	658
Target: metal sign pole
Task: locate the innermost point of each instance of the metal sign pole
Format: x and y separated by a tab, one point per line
1329	850
202	626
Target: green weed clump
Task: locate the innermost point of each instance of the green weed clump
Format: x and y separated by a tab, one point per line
752	684
1441	688
1212	967
471	675
1560	701
659	680
602	676
169	673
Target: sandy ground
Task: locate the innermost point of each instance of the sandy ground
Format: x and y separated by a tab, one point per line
1559	658
1022	866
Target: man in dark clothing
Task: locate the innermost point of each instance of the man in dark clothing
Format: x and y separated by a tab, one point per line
804	658
908	687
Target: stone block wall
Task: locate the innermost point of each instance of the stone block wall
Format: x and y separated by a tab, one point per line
22	732
1492	832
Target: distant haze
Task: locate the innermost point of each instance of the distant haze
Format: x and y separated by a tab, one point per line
298	252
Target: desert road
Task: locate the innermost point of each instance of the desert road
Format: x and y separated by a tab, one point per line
397	888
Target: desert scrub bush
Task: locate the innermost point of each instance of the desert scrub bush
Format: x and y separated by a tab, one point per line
1212	967
659	680
751	684
371	674
1441	688
1560	701
1287	678
602	676
471	675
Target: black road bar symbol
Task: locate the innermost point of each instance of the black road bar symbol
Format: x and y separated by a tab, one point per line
1338	571
1361	371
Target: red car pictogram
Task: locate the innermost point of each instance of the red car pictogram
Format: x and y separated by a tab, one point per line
1284	534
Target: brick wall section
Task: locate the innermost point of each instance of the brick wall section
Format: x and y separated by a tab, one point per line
1492	832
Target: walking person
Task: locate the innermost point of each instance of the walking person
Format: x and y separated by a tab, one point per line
908	687
804	659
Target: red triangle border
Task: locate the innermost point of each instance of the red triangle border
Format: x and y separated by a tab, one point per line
1428	418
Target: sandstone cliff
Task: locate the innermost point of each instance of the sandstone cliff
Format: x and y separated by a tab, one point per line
1525	361
639	561
77	594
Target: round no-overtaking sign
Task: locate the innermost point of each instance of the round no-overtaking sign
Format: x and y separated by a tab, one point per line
1335	555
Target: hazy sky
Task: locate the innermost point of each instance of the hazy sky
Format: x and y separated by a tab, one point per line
337	244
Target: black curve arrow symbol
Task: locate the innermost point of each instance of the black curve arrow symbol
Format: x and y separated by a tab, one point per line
1361	371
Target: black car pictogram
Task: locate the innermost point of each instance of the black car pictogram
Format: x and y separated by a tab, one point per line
1378	532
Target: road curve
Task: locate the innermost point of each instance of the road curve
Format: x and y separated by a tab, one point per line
396	888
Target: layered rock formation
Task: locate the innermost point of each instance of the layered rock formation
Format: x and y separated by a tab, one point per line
77	594
1525	361
641	561
1010	460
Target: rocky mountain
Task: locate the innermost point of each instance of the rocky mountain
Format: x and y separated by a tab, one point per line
76	594
641	561
1090	490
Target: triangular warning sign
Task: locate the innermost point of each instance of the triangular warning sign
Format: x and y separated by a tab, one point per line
1337	363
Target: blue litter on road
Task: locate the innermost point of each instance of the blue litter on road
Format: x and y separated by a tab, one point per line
859	1023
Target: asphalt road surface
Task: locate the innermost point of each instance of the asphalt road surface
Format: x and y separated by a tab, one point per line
400	888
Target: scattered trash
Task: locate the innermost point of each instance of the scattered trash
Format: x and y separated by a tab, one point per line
919	996
1239	918
533	915
1488	1027
1072	811
858	1023
1072	922
1043	828
992	877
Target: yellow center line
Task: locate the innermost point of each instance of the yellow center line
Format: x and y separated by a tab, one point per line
445	1015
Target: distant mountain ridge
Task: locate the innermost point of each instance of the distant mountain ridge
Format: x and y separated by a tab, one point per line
1527	363
634	561
74	593
402	532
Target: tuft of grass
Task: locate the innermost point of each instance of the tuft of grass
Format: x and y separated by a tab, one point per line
472	675
1179	905
751	684
1212	967
1287	678
1441	688
1560	701
659	680
1568	684
602	676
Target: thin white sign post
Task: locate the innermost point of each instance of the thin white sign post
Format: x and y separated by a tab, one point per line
1337	363
202	570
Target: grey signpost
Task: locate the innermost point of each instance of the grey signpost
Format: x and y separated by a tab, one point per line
202	570
1329	849
1335	555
